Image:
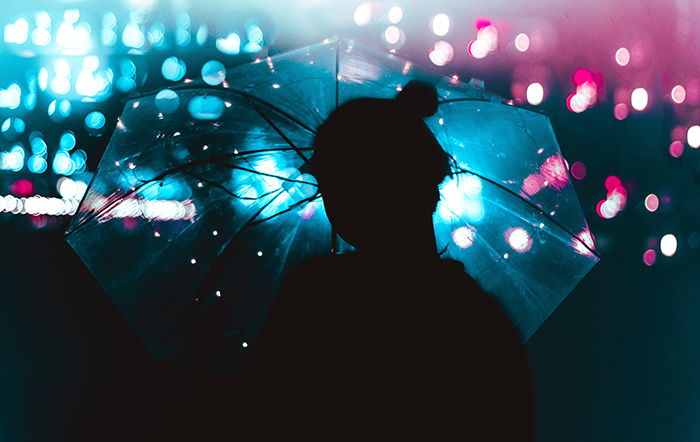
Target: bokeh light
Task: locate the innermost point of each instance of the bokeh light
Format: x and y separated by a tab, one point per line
639	99
213	72
578	170
535	93
693	136
678	94
651	202
522	42
668	245
440	24
676	149
442	53
173	69
622	56
649	257
518	239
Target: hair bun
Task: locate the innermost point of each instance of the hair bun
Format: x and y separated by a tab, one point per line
419	97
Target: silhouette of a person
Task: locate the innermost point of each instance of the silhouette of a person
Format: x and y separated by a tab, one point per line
391	341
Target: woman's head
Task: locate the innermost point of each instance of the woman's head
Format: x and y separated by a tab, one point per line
378	164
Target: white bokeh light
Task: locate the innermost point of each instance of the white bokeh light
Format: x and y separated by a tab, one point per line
440	24
640	99
693	136
669	245
535	93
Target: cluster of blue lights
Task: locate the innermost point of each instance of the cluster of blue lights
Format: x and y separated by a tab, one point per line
65	162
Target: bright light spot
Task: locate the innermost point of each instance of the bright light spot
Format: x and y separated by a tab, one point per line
202	34
442	53
478	49
440	24
231	45
395	14
463	237
11	97
676	149
213	73
156	234
193	261
518	239
622	56
60	85
132	36
260	253
205	107
71	189
215	232
621	111
651	202
649	257
678	94
218	293
67	140
95	120
535	93
245	344
363	14
37	164
522	42
41	37
17	32
578	170
173	69
693	136
669	245
392	35
639	99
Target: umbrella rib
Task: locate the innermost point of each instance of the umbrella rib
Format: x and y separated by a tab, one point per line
218	263
279	131
539	209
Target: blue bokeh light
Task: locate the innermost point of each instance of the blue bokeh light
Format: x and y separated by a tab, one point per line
95	120
206	107
173	69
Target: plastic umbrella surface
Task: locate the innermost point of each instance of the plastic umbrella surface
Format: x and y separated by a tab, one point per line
203	202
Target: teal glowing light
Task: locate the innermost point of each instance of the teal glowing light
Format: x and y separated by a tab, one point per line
36	164
67	141
173	69
62	164
95	120
213	72
127	68
206	107
167	101
231	45
39	146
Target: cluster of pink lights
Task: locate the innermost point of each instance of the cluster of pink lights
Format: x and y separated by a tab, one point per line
587	85
486	39
553	173
616	199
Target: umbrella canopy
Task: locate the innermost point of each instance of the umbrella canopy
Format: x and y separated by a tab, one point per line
203	201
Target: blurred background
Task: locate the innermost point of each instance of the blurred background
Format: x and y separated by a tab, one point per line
620	80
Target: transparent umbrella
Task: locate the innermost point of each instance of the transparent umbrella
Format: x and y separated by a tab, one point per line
203	202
